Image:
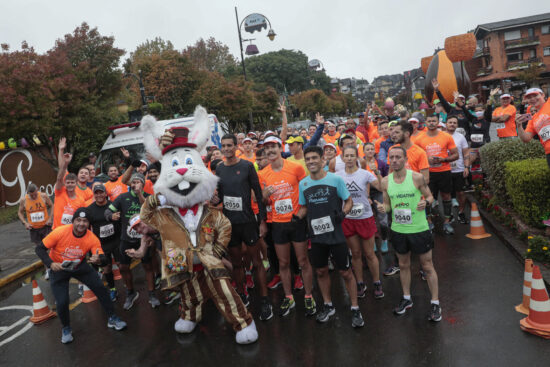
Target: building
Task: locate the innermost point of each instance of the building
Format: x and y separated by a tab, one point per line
512	54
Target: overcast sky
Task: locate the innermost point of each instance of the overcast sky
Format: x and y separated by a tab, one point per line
363	39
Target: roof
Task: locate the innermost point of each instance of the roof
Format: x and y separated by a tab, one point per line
482	29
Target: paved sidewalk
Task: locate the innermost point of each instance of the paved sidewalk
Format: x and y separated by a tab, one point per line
16	248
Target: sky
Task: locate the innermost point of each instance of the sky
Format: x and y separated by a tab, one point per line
361	39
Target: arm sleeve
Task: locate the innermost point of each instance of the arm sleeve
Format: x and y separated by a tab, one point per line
255	185
316	136
42	253
446	106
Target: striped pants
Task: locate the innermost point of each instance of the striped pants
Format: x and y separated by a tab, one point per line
202	287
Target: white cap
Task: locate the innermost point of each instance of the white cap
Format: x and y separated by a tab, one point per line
272	139
134	220
533	91
461	96
505	95
442	124
330	145
247	139
413	119
267	133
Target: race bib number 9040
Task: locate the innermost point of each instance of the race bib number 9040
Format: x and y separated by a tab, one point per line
233	203
284	206
322	225
402	216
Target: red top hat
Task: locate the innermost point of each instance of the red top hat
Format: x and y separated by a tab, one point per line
180	139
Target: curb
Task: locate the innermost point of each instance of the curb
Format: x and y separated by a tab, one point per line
517	247
20	273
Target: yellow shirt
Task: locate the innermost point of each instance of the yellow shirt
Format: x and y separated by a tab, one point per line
301	162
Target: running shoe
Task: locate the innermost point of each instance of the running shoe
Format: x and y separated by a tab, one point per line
287	305
435	313
80	290
462	218
249	280
157	281
378	292
275	282
116	323
66	335
311	307
403	306
154	301
391	270
113	294
384	247
47	274
130	299
171	297
245	299
361	290
357	318
298	284
454	203
266	312
448	228
422	274
325	313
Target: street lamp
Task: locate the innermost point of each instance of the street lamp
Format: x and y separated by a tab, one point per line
144	105
315	65
252	22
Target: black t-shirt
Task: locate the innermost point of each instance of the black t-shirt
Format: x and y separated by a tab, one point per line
480	133
127	204
106	231
234	190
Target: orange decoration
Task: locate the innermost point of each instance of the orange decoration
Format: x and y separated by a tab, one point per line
425	63
461	47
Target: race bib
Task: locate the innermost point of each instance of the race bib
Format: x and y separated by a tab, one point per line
544	133
500	125
453	165
284	206
132	233
106	231
322	225
356	211
66	219
268	208
233	203
37	217
477	138
461	130
402	216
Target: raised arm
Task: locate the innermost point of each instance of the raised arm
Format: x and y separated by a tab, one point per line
284	123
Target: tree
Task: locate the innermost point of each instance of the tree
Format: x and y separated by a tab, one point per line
312	101
530	74
210	55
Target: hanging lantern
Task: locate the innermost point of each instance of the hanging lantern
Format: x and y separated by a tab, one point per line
425	63
252	50
452	76
271	34
461	47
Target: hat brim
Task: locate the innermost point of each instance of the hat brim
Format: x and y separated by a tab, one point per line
178	145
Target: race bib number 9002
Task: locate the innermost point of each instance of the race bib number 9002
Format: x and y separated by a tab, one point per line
284	206
402	216
322	225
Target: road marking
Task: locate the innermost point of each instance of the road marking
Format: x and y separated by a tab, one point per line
14	325
74	304
21	321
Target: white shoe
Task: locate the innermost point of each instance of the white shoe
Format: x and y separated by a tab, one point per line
247	335
454	203
184	326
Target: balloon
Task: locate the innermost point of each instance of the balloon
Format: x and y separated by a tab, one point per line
451	77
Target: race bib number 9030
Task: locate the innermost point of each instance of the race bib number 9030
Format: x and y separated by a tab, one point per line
284	206
322	225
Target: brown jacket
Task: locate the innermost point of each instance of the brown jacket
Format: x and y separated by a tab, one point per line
213	235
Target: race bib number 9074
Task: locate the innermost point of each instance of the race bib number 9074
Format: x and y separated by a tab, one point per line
284	206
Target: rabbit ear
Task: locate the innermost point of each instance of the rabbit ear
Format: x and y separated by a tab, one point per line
201	129
148	123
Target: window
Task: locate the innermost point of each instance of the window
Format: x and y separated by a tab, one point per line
545	29
546	51
512	35
514	56
531	32
532	53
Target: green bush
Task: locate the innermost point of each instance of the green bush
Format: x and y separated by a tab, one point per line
494	155
155	108
538	249
527	184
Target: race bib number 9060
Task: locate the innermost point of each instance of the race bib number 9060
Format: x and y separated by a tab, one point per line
322	225
233	203
402	216
284	206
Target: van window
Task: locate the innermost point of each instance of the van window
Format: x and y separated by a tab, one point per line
114	156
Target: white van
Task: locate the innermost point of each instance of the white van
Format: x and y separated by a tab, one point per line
130	136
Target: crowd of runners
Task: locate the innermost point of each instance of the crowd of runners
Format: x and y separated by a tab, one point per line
301	203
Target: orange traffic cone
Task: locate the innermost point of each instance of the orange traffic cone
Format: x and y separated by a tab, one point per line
538	321
88	295
477	231
41	311
527	278
116	271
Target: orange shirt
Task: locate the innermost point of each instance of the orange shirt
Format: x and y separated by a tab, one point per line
437	146
540	125
268	210
251	160
361	136
331	138
37	211
417	159
373	132
508	128
284	201
64	207
148	187
115	188
66	247
85	194
377	144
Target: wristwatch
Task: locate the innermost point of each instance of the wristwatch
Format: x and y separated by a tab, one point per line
376	172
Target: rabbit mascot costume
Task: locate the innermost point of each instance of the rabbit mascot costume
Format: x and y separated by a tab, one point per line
194	236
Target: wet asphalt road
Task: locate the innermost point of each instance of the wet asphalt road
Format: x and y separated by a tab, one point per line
480	283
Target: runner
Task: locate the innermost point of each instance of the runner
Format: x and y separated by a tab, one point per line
384	131
351	125
321	197
115	185
387	144
460	169
504	118
91	177
68	246
359	226
417	159
337	164
409	229
459	110
296	148
82	188
35	214
153	172
441	149
129	204
108	233
329	152
238	179
332	134
281	191
248	151
539	123
480	130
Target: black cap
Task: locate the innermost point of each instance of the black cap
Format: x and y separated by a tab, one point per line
81	213
91	155
100	187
